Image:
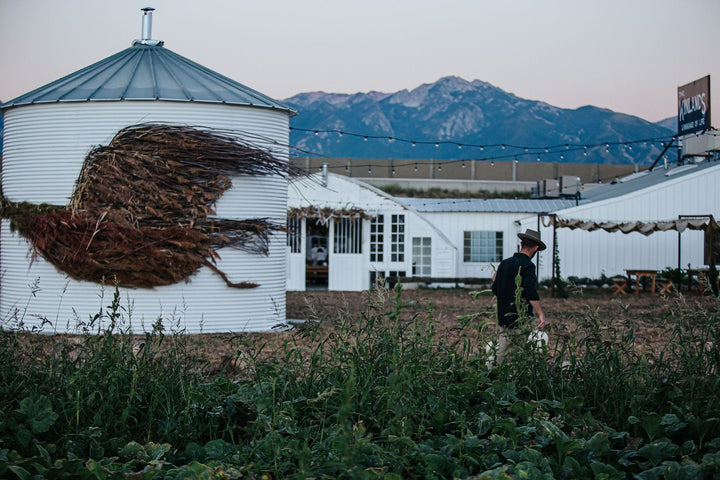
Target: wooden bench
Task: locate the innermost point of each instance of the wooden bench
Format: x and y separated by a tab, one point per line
620	284
665	285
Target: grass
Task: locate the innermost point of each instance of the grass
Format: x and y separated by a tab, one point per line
379	394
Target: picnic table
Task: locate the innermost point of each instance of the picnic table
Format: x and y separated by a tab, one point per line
641	274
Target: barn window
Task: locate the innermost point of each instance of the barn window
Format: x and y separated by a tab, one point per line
377	238
294	236
482	246
348	236
421	256
397	238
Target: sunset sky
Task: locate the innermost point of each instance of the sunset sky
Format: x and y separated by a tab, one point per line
626	55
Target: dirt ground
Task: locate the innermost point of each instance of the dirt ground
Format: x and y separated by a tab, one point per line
652	316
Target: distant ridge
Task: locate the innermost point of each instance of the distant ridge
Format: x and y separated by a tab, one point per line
471	112
670	123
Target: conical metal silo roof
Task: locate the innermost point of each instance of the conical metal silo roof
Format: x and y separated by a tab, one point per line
147	71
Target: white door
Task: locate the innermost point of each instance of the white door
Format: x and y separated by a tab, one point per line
422	257
296	242
345	255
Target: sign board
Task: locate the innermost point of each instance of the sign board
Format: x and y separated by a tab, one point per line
694	106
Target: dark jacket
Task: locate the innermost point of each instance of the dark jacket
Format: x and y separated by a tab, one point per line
504	288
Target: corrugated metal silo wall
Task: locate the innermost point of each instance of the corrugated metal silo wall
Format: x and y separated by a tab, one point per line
45	146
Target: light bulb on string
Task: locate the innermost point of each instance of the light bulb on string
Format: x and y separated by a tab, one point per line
463	164
437	144
492	163
415	169
459	146
482	148
393	171
365	138
341	133
503	146
316	132
439	168
538	158
413	144
546	150
390	139
562	156
370	169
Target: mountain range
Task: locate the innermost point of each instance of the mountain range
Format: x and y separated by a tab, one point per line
452	118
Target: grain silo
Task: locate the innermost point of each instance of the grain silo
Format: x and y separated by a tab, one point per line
50	130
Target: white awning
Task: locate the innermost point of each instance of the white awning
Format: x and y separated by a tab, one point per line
644	227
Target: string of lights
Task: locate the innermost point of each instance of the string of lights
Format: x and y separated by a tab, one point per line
507	152
519	149
370	166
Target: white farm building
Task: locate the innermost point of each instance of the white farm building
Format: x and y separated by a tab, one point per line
485	231
467	238
664	200
346	235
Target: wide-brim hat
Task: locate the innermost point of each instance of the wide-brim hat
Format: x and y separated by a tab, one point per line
532	236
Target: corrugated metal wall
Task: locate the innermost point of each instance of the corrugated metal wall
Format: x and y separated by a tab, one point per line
590	254
43	152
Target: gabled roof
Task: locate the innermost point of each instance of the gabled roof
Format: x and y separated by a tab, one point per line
344	193
492	205
645	179
147	72
622	186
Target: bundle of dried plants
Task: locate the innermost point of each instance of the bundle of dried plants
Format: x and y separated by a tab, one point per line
142	212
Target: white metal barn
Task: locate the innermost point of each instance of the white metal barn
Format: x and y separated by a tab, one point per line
663	194
48	133
484	230
346	235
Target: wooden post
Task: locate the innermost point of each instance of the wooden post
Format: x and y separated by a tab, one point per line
552	285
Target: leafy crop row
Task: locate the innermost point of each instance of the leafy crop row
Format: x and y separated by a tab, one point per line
376	395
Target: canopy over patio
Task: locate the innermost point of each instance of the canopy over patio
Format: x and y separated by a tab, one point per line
705	223
644	227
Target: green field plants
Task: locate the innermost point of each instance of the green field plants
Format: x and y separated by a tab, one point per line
372	394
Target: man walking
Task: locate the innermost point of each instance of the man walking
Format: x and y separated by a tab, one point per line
504	287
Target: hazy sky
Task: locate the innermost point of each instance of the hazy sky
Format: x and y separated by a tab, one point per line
626	55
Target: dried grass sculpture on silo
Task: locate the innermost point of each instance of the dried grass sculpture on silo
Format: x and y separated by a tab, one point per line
140	214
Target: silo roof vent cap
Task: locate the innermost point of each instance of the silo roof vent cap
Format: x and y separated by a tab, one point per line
146	34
